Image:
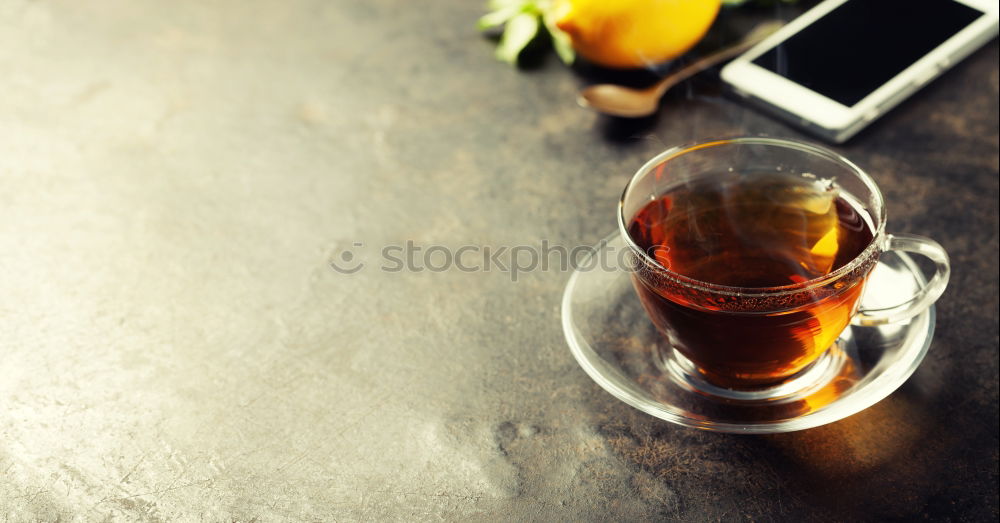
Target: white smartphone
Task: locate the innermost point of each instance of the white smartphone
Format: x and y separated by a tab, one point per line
844	63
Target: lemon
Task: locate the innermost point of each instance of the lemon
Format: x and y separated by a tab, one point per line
633	33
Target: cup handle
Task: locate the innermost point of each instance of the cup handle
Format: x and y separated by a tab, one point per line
926	296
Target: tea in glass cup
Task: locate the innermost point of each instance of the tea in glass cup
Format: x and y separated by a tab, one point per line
751	255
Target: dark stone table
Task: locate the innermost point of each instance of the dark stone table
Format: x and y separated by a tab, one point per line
176	179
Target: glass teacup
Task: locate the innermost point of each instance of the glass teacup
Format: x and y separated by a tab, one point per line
752	254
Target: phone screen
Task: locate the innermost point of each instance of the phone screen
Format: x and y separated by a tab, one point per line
862	44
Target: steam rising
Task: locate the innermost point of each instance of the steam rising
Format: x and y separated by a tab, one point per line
752	230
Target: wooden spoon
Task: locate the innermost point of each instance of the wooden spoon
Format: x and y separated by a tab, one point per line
618	100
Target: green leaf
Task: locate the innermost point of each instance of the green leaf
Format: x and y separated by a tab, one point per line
520	31
497	17
564	48
560	41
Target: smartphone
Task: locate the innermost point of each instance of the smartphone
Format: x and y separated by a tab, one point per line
844	63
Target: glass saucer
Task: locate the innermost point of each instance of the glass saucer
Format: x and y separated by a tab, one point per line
616	344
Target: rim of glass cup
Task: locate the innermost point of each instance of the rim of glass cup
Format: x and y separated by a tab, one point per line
876	243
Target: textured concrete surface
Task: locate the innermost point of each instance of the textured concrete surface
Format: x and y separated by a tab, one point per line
175	178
